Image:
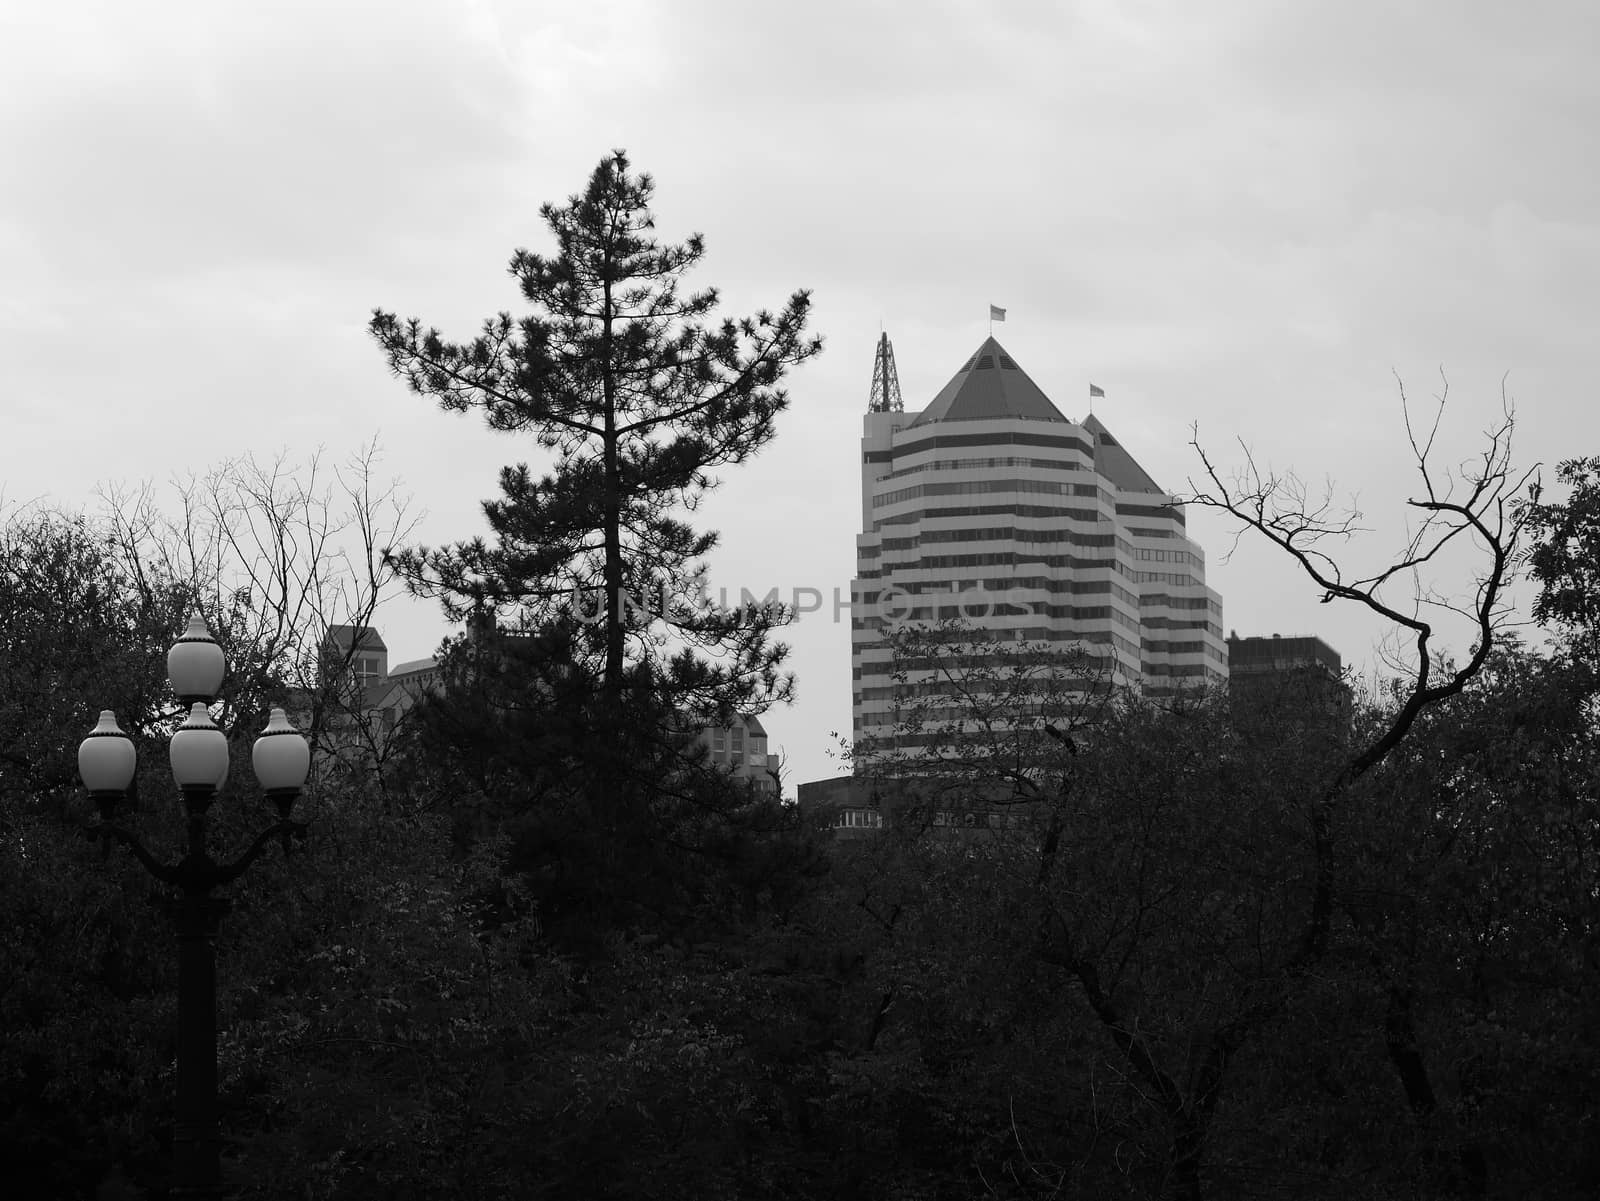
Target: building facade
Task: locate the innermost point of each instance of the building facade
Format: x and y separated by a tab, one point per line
358	652
992	505
407	684
740	750
1287	684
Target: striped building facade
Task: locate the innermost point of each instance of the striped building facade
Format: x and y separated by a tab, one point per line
992	504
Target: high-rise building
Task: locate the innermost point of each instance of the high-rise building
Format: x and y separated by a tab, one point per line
992	504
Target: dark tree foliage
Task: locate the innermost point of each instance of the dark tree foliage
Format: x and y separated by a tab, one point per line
593	656
506	748
71	997
933	1016
619	375
1565	558
1444	1044
71	638
1472	868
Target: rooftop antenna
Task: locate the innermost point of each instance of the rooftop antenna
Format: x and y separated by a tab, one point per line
885	396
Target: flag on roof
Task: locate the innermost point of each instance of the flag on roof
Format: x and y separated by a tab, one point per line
996	313
1096	391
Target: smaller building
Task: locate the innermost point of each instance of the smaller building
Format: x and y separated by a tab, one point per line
361	651
1287	682
858	806
846	804
407	684
342	712
740	749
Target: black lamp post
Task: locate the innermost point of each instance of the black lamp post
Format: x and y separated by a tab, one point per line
199	753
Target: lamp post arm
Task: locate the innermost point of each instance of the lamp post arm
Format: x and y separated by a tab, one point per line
161	871
281	830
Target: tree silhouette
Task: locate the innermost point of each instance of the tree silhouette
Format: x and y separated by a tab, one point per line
640	399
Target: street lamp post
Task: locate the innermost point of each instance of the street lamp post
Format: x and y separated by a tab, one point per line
199	755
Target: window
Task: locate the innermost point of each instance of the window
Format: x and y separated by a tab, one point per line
860	819
719	742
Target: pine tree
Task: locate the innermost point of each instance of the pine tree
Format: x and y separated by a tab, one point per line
640	398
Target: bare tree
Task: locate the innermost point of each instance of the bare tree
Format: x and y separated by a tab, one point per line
1478	504
278	556
1184	883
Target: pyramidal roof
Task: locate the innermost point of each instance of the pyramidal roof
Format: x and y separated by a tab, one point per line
990	385
1114	462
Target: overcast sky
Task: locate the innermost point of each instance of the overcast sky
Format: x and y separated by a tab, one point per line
1250	216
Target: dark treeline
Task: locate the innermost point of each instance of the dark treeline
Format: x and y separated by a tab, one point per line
536	945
